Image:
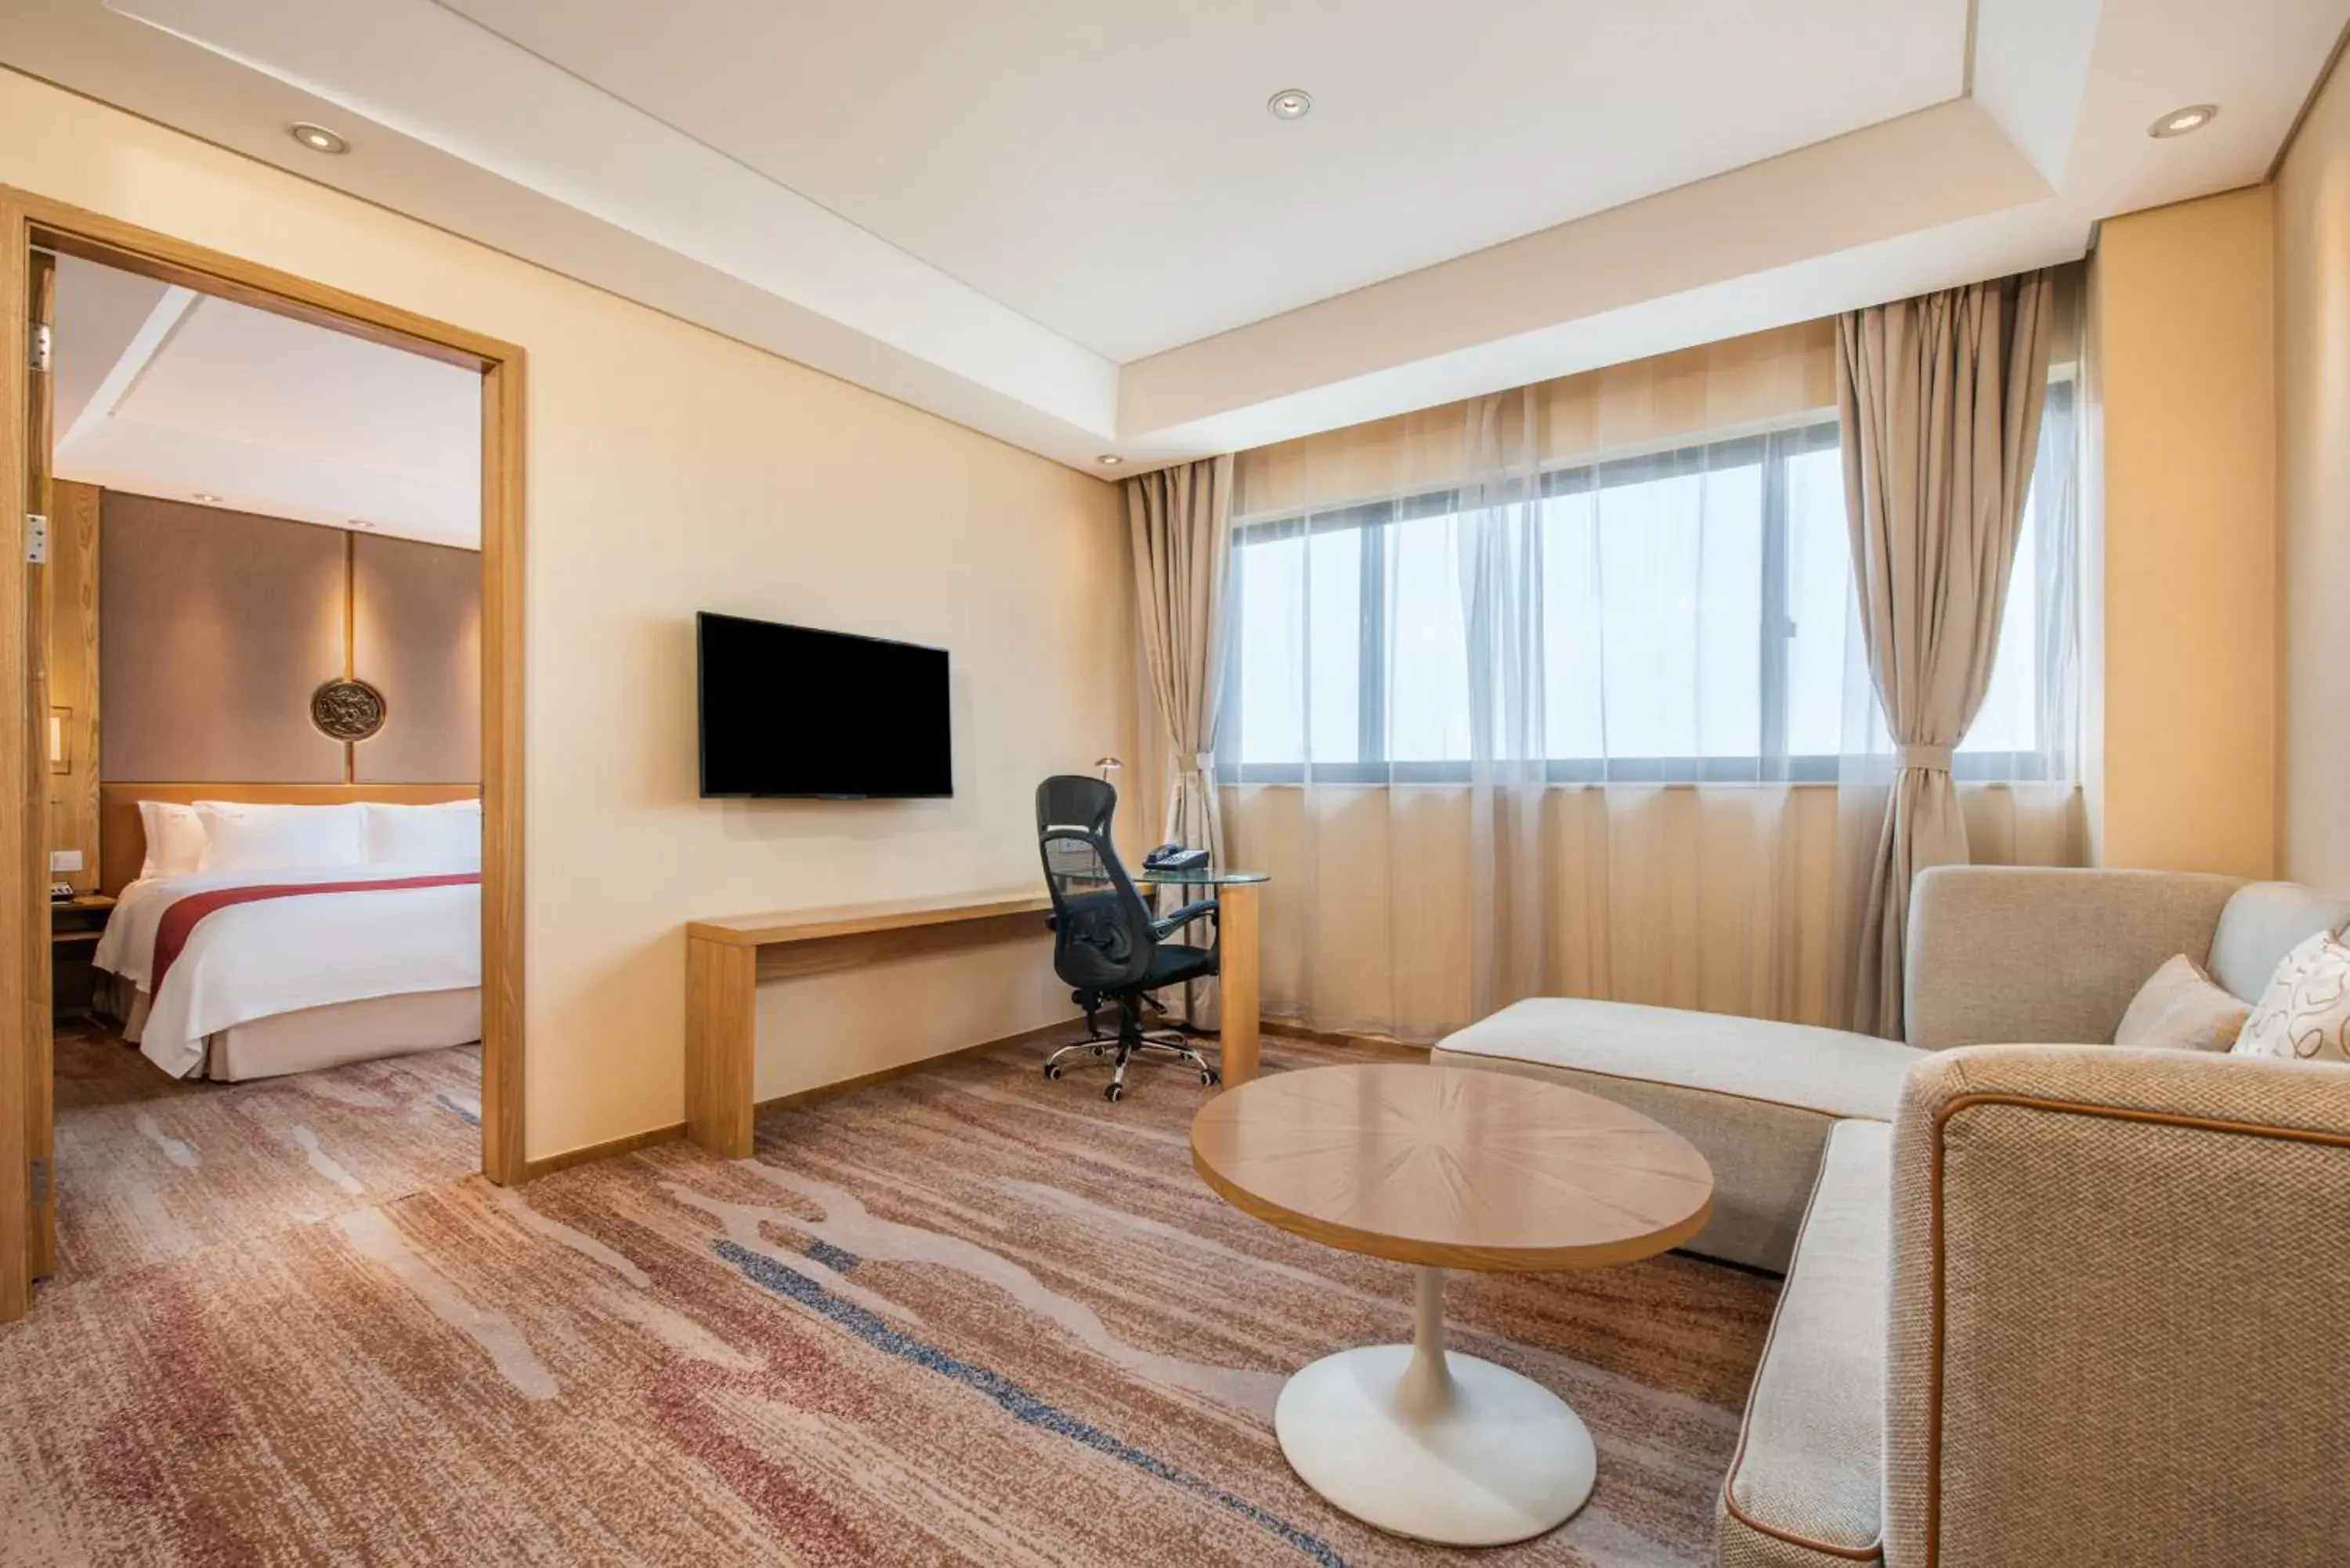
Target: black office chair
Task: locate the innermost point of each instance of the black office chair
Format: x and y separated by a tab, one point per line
1106	942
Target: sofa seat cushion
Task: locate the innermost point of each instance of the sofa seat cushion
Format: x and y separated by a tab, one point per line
1757	1098
1830	1071
1805	1486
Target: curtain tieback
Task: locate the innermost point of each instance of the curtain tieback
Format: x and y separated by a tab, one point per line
1204	762
1934	758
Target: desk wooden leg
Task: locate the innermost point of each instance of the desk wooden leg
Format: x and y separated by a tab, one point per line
722	997
1237	936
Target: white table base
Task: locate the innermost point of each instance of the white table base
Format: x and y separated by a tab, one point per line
1438	1446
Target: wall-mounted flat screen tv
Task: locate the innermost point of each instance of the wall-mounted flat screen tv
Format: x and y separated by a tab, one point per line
789	711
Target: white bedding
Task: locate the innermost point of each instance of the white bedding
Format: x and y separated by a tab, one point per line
255	961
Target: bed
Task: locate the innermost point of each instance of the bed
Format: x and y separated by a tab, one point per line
302	934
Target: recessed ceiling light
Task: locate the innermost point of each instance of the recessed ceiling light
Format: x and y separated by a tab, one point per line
1109	460
206	496
2180	121
318	138
1289	103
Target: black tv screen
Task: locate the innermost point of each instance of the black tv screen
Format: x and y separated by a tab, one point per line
787	710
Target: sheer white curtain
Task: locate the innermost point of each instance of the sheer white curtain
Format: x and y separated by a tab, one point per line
1554	691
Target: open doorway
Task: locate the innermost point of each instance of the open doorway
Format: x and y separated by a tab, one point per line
269	643
261	610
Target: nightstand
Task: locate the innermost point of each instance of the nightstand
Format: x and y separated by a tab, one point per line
75	925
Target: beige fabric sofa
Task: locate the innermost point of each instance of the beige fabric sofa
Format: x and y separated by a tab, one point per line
2049	1302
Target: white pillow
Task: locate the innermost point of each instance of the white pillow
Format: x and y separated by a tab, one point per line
2180	1009
175	839
242	837
2304	1013
450	831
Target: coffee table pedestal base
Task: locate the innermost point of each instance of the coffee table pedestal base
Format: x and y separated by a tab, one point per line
1440	1447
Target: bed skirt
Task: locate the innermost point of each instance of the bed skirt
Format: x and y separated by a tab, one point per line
316	1037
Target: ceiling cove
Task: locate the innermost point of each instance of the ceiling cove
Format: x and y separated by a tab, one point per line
1078	229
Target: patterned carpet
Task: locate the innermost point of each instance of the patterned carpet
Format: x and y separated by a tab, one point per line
969	1316
152	1167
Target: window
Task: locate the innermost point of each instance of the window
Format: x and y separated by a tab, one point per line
1680	616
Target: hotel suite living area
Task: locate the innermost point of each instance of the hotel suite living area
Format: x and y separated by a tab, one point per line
1352	784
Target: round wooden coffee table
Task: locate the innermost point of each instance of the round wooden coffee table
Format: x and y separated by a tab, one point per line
1446	1167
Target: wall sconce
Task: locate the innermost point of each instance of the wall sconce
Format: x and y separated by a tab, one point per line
60	720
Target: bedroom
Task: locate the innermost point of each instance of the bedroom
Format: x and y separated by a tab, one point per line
264	654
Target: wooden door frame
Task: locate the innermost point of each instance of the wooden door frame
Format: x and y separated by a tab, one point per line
26	220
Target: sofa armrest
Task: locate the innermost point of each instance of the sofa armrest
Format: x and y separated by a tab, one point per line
2003	953
2117	1281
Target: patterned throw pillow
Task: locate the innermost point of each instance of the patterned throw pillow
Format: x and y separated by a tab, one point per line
2180	1009
2304	1013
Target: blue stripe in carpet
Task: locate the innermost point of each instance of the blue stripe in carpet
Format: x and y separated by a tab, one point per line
461	1114
834	1258
1015	1401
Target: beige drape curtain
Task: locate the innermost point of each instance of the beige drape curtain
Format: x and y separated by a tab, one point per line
1407	901
1181	521
1940	398
1715	389
1721	898
1404	907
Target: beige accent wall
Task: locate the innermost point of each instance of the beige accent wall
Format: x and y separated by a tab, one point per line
223	624
671	470
416	634
2313	304
216	627
2182	653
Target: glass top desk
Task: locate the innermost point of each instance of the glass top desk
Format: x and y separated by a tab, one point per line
1200	877
1236	974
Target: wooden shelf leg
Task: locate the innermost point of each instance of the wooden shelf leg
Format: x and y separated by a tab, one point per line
722	997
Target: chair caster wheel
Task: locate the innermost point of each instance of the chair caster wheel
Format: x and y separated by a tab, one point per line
1098	1050
1115	1092
1210	1077
1052	1069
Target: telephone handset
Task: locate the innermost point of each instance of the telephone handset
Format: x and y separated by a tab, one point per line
1174	857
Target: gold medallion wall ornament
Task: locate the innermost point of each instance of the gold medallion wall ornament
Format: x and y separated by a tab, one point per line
346	710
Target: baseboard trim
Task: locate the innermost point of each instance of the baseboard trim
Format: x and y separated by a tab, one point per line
920	1064
610	1148
1377	1044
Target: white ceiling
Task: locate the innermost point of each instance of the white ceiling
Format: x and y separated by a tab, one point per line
161	391
1074	227
1110	172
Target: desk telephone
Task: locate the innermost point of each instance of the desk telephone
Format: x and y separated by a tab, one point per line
1174	857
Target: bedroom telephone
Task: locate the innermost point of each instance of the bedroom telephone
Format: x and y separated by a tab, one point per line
1174	857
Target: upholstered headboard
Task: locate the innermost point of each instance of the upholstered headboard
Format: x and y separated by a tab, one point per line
123	840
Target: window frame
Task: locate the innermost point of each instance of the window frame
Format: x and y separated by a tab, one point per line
1770	448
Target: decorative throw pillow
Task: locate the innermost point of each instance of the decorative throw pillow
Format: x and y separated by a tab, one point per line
2180	1009
2304	1013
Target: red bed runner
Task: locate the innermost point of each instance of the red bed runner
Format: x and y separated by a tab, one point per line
179	921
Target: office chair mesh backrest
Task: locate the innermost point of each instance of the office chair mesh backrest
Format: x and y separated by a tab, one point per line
1102	937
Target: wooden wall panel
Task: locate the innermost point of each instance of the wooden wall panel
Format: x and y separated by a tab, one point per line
217	626
72	588
416	634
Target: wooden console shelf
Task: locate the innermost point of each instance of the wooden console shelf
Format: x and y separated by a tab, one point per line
725	960
861	919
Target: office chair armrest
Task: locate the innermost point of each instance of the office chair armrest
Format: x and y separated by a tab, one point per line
1168	924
